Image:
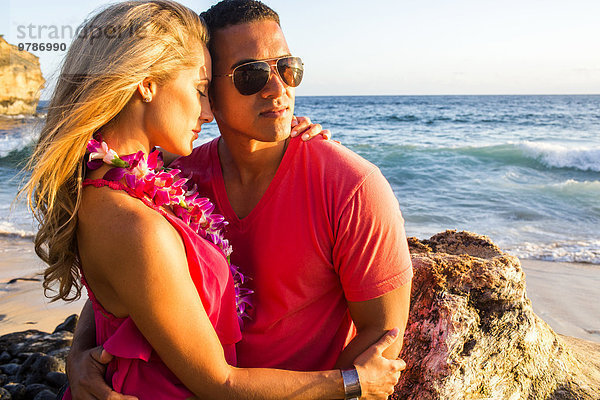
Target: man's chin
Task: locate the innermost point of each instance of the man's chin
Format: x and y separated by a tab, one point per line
281	131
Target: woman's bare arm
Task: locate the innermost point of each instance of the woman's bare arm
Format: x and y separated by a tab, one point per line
136	264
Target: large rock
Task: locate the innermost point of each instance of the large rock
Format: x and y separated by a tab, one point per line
472	333
37	362
33	341
20	80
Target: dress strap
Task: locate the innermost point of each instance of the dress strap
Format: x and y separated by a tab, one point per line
120	186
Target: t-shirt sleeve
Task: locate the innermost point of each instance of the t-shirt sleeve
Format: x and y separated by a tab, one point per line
371	252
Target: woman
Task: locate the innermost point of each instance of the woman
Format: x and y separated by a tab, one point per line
150	250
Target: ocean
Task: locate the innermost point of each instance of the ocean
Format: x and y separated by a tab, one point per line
523	170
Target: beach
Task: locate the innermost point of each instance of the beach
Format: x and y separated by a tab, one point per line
563	294
22	302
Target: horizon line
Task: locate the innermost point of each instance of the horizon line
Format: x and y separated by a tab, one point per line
438	95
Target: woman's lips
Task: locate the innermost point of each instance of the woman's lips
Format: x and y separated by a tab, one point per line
274	113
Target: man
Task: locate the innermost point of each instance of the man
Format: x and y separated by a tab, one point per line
316	227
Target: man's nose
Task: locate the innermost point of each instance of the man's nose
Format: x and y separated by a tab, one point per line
275	86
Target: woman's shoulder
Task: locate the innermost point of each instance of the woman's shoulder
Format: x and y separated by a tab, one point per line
115	218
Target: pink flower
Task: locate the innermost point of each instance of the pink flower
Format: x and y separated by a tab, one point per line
147	178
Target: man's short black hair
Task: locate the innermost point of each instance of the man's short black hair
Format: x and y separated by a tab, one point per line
234	12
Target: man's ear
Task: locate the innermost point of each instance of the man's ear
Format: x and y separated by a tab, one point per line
147	89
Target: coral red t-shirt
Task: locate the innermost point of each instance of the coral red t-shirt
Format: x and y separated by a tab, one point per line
328	230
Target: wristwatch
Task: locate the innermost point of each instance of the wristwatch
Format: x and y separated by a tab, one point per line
352	388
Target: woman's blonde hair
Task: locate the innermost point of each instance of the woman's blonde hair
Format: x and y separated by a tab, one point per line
116	50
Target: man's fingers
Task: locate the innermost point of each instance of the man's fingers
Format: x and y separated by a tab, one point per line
117	396
105	357
100	355
386	340
104	392
299	125
314	130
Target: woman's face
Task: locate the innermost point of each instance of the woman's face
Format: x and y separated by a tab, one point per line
179	107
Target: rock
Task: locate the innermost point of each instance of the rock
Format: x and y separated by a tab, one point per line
5	357
45	395
10	369
20	80
33	341
23	356
16	390
68	325
36	368
60	354
56	379
472	333
3	379
5	394
32	390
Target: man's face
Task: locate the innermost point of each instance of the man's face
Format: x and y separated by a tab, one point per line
265	116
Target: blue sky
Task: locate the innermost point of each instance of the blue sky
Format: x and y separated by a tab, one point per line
356	47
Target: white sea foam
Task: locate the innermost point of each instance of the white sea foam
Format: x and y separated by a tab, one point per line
15	142
584	251
585	158
9	229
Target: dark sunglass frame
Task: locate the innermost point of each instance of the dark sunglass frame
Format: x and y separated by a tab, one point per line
255	85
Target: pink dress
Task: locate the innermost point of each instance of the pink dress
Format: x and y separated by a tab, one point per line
137	369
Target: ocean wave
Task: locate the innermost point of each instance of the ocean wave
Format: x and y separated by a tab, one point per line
572	184
7	229
18	142
25	117
560	156
547	155
576	251
401	118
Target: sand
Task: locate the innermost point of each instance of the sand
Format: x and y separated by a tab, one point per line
565	295
22	303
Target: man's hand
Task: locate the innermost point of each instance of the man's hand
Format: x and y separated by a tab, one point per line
304	126
86	364
86	376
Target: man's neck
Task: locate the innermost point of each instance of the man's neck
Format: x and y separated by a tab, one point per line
248	169
249	161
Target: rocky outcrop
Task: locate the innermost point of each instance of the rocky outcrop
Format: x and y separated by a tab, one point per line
20	80
32	363
472	333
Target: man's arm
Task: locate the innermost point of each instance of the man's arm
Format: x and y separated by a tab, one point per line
372	319
373	261
86	362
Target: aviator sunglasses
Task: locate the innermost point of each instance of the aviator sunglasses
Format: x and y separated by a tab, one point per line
249	78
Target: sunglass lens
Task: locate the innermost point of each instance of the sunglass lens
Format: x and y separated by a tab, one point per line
291	70
251	78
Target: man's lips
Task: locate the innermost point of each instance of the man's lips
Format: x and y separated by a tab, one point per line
274	112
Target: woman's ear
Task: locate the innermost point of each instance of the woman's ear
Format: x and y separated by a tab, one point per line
147	89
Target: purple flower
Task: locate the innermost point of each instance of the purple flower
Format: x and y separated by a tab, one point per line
146	176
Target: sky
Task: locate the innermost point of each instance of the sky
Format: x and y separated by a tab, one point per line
394	47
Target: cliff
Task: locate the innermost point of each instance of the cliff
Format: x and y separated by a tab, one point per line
20	80
472	333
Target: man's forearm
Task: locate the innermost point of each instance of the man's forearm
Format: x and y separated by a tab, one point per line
373	318
85	332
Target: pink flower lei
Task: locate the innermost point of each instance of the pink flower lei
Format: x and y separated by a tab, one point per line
149	177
